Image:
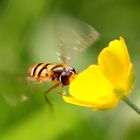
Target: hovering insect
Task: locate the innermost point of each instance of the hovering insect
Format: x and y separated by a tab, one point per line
59	73
71	36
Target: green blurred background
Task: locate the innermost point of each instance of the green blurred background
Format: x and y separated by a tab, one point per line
21	46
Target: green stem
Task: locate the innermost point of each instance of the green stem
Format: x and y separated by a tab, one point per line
131	104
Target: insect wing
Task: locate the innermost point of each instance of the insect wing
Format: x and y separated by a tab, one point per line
15	89
63	35
72	36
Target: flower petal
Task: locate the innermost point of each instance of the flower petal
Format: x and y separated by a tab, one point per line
95	105
115	62
92	87
75	101
130	80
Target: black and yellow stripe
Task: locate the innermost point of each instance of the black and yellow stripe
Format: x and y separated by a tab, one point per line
52	72
34	69
43	70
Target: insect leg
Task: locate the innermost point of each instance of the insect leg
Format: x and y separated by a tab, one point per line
63	93
46	97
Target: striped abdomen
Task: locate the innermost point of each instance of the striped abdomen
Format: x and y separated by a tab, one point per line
46	72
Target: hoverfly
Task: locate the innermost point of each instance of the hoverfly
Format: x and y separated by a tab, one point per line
71	36
59	73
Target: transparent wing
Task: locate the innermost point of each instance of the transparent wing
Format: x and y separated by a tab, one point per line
15	89
71	36
63	35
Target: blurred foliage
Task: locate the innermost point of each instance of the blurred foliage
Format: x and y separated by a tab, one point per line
30	120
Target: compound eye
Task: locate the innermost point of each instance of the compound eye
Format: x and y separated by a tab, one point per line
65	80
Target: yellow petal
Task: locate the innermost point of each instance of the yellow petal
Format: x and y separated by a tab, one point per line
115	63
75	101
109	104
130	79
92	88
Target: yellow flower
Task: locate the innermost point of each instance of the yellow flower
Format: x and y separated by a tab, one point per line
102	86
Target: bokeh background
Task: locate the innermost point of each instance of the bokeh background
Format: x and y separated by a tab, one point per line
21	45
